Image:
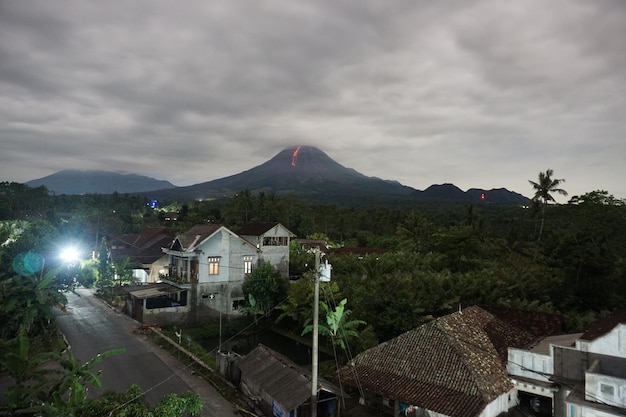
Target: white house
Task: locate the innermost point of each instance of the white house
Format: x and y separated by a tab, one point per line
272	239
578	375
211	262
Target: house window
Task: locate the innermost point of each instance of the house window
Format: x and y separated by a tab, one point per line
214	265
275	241
247	264
607	389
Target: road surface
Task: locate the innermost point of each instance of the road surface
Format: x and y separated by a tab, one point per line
91	327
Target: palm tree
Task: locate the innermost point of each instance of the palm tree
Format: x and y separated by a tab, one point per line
544	188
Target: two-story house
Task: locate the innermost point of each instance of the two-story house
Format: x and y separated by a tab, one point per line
211	262
576	375
272	239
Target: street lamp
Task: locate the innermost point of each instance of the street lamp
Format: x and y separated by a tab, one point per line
69	255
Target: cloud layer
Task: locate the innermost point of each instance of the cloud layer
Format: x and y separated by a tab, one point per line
478	93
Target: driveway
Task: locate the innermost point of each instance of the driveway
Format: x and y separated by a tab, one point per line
91	327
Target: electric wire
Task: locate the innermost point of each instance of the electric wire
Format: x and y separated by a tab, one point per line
202	357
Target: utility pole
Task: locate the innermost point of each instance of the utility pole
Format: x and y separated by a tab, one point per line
314	362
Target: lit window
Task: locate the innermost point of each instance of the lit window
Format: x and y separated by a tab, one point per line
247	264
214	265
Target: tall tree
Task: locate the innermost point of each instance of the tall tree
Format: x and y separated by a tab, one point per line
544	188
267	288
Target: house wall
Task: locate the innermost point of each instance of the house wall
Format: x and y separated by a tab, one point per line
140	275
262	399
605	389
158	268
277	255
613	343
501	404
166	316
231	251
213	298
526	364
578	410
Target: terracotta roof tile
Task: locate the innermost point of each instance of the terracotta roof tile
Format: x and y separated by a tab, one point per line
450	365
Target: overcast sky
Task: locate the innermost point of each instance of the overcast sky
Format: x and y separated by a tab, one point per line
482	94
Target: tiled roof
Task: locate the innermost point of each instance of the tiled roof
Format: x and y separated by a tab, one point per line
450	365
152	235
197	234
144	247
603	326
255	229
258	229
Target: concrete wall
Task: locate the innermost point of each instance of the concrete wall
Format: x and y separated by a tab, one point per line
613	343
524	363
278	256
604	389
231	251
167	316
500	405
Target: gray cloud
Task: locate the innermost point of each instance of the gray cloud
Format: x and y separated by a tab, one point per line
478	93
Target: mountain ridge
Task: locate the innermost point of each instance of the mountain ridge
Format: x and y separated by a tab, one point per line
74	181
303	171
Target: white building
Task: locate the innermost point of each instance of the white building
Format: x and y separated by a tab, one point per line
578	375
211	262
272	239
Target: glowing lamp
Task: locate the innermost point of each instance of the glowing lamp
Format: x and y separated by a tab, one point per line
69	255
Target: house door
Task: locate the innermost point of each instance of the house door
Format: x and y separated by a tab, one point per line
193	278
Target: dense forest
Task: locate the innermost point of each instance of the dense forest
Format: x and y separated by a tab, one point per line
397	265
394	267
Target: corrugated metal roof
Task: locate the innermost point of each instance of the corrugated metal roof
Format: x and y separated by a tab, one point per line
566	340
280	378
153	290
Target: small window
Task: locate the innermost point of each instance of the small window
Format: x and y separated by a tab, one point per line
247	264
607	389
214	265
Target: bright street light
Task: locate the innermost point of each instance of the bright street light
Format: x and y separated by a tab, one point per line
69	255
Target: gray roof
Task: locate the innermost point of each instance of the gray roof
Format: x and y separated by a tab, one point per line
151	290
280	378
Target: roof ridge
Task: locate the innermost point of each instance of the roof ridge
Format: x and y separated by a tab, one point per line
462	347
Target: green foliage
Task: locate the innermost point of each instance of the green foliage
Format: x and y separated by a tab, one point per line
416	233
27	303
267	288
601	197
337	326
106	271
123	270
132	403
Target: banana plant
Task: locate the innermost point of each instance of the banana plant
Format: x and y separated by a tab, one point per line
337	326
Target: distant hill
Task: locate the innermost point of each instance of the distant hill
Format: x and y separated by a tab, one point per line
451	193
98	182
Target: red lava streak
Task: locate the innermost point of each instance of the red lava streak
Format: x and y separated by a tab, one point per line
294	157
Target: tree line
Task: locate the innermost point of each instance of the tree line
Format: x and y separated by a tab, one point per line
397	266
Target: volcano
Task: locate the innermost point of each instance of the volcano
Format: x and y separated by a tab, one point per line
304	171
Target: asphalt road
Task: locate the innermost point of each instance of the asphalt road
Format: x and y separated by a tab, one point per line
91	327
